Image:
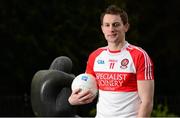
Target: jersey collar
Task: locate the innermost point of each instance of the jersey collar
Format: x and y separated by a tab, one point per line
118	51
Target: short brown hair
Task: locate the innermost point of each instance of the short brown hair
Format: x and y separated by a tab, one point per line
113	9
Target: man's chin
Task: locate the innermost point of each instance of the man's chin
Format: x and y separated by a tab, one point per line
112	39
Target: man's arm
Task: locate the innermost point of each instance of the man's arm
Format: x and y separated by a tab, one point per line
146	93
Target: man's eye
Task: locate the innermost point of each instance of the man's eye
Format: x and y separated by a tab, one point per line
106	25
116	24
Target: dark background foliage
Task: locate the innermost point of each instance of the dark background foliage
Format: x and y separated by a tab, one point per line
35	32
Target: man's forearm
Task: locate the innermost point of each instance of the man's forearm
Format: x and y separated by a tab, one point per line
145	110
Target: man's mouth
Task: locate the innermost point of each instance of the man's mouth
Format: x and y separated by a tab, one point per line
112	35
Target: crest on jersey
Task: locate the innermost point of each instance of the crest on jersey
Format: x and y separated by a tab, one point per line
124	63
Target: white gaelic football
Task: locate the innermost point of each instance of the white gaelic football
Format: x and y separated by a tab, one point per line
85	82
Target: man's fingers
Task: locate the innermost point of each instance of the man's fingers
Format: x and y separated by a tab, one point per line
81	97
85	96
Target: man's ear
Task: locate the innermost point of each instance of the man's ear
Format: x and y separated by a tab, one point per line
127	26
102	28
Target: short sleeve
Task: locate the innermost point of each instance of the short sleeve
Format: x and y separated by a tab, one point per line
145	67
89	66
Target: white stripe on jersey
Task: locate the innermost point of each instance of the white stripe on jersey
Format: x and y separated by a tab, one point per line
148	74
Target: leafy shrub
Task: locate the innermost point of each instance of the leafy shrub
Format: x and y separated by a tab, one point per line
162	111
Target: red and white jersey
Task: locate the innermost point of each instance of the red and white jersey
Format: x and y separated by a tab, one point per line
117	73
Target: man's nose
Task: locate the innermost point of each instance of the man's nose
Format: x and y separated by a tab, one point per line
111	28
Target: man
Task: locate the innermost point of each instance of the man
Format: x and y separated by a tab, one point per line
124	72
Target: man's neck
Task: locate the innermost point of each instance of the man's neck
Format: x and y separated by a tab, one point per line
116	46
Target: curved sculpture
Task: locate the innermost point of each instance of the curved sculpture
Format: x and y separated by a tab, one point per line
51	88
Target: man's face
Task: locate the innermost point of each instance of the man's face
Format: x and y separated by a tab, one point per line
113	28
